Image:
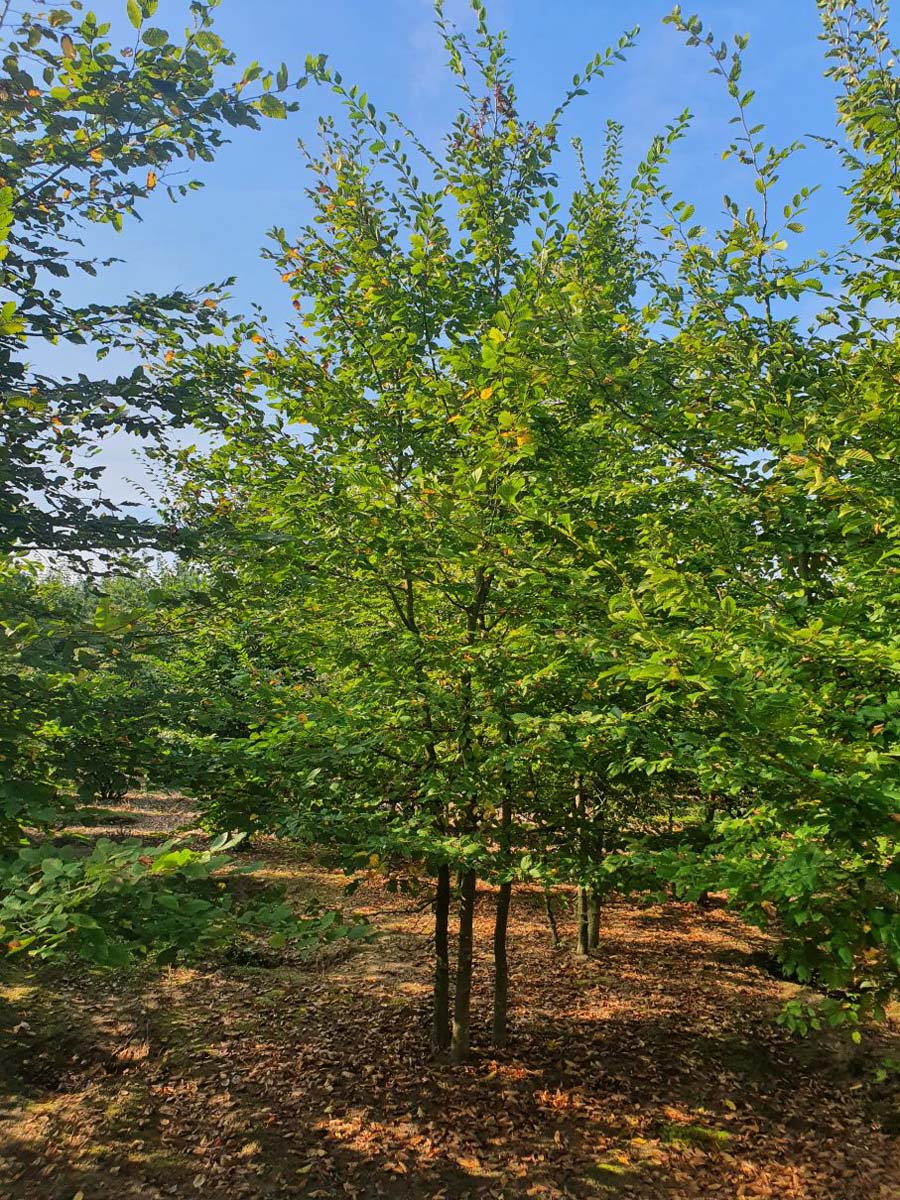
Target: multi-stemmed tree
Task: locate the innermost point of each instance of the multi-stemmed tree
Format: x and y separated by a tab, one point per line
474	434
551	513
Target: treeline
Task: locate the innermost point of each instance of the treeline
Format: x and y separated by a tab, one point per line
549	543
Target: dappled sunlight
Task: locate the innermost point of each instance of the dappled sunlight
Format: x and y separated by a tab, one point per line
651	1068
522	566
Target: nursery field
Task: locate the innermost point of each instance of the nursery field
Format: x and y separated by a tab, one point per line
653	1069
462	761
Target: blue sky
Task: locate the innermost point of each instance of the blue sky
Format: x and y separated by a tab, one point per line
391	49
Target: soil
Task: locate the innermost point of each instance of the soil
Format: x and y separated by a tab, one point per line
654	1069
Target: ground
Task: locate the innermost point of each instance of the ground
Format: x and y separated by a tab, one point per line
653	1070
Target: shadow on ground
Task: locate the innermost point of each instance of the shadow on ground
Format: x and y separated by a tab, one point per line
654	1070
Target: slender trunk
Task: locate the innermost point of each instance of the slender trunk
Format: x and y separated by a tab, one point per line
582	939
551	921
501	965
593	920
440	1025
703	900
582	919
461	1031
440	1028
459	1041
501	922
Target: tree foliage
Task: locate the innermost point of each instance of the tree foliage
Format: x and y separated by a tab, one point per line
87	134
553	540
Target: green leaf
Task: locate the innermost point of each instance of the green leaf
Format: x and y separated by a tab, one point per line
209	42
271	106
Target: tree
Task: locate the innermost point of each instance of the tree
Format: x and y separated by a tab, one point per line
572	516
458	389
788	662
87	135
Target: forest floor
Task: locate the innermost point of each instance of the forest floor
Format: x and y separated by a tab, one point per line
653	1070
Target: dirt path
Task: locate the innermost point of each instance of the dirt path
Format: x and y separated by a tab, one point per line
653	1071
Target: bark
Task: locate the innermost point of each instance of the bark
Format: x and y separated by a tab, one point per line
551	921
501	922
440	1028
460	1037
440	1025
501	965
461	1031
582	937
593	920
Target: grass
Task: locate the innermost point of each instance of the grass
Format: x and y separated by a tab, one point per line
675	1133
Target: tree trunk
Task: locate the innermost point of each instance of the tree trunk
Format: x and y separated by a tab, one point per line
582	935
440	1028
461	1032
581	898
593	920
501	965
551	921
459	1041
501	923
582	919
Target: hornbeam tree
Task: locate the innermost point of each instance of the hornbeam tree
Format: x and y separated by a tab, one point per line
553	512
452	380
778	617
88	136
